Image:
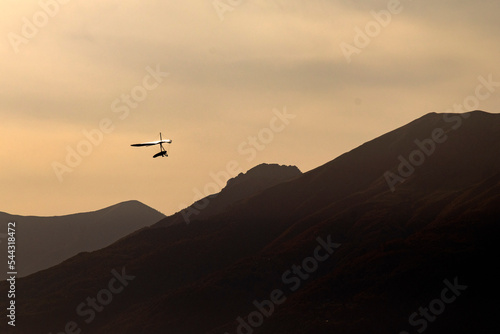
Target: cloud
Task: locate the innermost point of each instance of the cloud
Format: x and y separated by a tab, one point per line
225	79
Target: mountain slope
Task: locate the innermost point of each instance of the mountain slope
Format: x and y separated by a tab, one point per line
397	248
242	186
46	241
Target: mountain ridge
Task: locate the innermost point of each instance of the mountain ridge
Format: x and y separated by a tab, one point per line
243	185
48	240
396	249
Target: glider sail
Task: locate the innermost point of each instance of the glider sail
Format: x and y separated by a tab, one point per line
151	143
163	152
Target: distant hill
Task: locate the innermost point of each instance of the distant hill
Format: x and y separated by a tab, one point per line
46	241
366	243
238	188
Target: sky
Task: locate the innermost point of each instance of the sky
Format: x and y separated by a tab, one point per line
234	83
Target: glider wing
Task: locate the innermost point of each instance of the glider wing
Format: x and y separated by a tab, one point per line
151	143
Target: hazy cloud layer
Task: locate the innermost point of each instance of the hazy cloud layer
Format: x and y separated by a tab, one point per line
225	78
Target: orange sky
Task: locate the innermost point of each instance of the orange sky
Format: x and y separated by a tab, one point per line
289	82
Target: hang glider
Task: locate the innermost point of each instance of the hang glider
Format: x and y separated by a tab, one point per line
163	151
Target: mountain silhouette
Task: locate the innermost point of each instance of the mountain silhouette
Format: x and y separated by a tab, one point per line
46	241
398	235
238	188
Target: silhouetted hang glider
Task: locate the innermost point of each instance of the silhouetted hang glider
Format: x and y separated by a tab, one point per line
163	152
